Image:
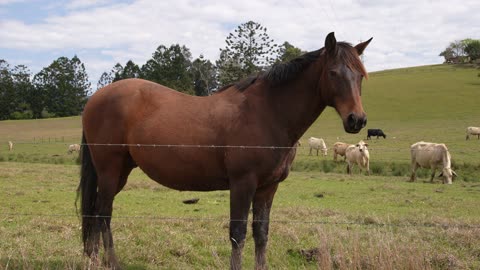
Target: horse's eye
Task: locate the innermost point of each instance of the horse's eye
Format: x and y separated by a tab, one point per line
332	73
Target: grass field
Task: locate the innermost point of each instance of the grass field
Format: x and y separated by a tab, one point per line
374	223
346	222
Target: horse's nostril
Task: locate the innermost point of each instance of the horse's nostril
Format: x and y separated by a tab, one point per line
351	119
364	124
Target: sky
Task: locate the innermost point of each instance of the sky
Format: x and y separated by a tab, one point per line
105	32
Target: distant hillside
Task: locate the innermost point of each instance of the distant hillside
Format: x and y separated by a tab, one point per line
432	103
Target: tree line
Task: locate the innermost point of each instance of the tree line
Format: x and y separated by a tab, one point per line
62	88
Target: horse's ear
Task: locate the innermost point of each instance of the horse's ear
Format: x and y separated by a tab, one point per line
360	47
331	44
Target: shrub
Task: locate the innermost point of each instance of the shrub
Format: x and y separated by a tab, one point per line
22	115
46	114
378	169
327	166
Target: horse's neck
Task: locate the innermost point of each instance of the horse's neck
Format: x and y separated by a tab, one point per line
297	104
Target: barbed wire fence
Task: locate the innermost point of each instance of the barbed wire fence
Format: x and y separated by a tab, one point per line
380	153
62	141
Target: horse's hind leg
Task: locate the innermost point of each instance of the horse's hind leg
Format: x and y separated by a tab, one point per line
110	181
262	203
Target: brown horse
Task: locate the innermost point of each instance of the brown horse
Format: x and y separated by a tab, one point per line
123	121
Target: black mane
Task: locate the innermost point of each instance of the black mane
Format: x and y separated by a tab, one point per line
283	72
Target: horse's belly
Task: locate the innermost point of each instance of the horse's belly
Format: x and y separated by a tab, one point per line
194	184
192	176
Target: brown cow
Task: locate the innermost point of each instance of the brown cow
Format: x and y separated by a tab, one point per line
339	148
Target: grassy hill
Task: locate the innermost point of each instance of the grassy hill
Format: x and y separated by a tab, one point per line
432	103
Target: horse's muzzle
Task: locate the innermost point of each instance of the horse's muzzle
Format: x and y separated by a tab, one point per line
354	123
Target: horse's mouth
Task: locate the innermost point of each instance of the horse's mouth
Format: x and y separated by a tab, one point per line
352	131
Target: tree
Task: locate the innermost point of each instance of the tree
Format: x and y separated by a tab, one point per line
454	52
64	86
249	50
448	54
105	79
229	69
288	52
472	48
204	76
24	92
131	70
170	67
7	92
15	88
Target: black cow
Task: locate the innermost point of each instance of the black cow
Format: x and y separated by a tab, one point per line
375	132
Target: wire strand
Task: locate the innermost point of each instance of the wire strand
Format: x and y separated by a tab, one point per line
194	219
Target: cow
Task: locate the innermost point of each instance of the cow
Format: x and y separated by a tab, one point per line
339	148
433	156
375	132
358	154
73	148
473	131
317	144
10	146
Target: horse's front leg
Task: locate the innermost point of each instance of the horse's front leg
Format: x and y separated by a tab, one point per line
262	203
242	190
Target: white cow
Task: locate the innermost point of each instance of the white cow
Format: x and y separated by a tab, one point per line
358	154
73	148
317	144
339	148
10	146
433	156
473	131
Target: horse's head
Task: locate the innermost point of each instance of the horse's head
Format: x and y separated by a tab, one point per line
341	81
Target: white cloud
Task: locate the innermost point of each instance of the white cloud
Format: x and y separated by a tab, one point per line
405	32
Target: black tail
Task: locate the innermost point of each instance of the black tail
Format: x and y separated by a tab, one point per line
87	191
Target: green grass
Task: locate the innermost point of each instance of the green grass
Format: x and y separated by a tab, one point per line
342	218
354	221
